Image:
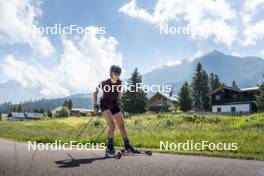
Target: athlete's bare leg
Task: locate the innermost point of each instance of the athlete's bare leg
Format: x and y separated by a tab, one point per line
120	123
111	123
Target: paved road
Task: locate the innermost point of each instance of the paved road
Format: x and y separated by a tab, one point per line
15	159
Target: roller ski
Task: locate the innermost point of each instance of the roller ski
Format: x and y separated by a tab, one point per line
134	152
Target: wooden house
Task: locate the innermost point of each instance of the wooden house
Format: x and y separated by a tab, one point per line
161	102
235	100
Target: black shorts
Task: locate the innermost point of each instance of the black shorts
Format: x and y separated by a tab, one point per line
109	105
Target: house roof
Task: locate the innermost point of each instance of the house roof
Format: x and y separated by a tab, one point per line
234	89
224	87
173	97
250	89
82	109
19	115
33	115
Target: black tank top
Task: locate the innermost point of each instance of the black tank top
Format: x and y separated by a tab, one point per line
111	90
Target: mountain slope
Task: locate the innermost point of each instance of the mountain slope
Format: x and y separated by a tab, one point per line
247	71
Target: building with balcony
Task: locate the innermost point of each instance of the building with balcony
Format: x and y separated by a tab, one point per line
234	100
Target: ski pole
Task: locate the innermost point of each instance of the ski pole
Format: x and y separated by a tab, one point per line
86	125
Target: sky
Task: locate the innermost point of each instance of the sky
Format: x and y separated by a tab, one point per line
126	33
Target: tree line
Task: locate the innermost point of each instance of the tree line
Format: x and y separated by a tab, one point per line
194	96
43	105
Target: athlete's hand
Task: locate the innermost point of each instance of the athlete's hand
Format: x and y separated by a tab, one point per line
95	109
120	105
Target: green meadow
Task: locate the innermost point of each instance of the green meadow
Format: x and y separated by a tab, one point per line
146	131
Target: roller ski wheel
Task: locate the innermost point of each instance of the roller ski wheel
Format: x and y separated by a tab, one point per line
149	153
117	155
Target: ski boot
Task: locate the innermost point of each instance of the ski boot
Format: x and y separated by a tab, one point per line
130	149
111	153
110	150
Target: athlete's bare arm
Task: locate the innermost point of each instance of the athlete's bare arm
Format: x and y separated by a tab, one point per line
119	95
95	99
120	104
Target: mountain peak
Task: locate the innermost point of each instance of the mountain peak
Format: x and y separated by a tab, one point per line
214	52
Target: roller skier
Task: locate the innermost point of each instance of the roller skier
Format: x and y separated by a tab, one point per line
111	105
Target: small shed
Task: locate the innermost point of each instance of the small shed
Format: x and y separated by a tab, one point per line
81	111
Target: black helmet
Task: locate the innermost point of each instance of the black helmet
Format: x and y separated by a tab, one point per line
115	69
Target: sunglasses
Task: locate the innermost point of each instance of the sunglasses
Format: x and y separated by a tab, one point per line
116	74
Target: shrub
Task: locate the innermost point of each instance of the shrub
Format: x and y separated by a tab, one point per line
45	117
49	114
169	123
137	122
200	118
63	112
213	119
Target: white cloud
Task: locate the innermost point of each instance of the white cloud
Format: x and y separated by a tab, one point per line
236	54
171	62
196	55
18	23
85	63
214	16
132	10
253	33
249	9
251	5
32	76
82	65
